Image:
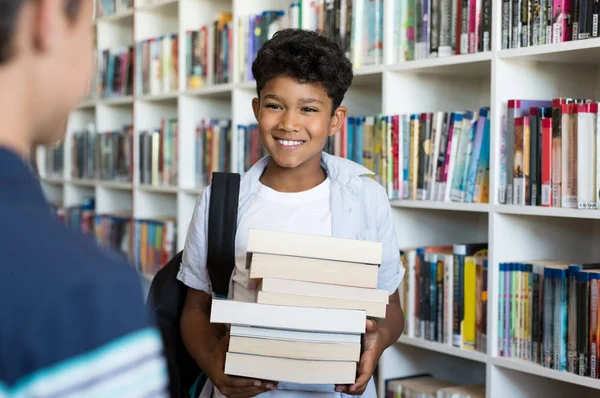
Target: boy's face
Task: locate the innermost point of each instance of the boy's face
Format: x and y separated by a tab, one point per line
60	59
294	120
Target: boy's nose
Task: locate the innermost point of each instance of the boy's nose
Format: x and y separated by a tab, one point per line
288	122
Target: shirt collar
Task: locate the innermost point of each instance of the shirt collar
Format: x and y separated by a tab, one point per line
343	171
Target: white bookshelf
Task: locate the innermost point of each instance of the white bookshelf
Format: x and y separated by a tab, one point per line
454	83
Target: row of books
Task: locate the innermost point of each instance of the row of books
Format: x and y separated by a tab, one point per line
54	160
114	72
147	243
311	299
444	294
154	243
548	154
221	148
429	29
208	53
536	22
442	156
157	66
158	154
548	314
424	385
104	8
111	231
103	156
355	25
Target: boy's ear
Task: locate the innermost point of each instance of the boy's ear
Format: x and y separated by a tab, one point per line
256	107
47	19
337	120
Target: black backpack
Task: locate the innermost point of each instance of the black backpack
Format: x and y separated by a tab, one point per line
167	294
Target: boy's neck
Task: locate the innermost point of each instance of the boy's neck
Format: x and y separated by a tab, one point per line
298	179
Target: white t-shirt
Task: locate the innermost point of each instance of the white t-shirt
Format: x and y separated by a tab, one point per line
307	212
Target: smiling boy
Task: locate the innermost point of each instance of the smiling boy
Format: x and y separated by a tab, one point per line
301	80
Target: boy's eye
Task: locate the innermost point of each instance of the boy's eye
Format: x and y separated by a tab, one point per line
309	110
272	106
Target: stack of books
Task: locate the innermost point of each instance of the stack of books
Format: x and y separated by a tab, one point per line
313	298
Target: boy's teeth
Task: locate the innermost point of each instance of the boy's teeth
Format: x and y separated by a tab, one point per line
289	143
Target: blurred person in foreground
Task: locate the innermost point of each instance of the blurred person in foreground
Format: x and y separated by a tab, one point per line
72	322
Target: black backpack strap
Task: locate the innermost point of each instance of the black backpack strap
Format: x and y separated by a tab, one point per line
222	226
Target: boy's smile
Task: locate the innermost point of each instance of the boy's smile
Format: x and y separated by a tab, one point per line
294	121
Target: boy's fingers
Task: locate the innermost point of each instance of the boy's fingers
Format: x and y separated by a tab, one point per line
236	382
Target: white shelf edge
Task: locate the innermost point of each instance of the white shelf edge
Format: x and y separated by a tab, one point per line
210	89
438	205
157	188
52	180
424	64
87	104
156	4
125	100
124	186
82	182
538	370
545	49
116	17
369	70
158	97
547	211
444	349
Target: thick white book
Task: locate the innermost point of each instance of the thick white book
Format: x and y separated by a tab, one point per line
295	349
294	335
376	310
290	370
288	317
314	246
312	270
303	288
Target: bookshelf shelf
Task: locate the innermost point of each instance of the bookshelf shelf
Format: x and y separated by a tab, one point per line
126	17
438	205
538	370
127	100
215	91
158	189
89	104
571	52
547	211
468	64
124	186
158	5
166	97
444	349
82	183
53	181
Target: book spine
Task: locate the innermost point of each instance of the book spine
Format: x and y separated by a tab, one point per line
445	41
424	153
458	271
516	23
549	318
583	330
593	316
534	22
501	318
561	21
434	32
506	24
572	347
525	18
585	19
569	156
595	16
518	169
574	18
464	27
586	155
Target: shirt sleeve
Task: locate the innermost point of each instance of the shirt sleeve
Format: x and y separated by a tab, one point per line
391	270
193	272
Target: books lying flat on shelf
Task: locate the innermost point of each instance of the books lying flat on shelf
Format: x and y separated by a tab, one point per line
444	294
305	326
548	313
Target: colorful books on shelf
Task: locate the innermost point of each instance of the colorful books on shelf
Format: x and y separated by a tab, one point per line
441	156
548	314
424	29
157	67
444	294
53	160
530	23
104	156
114	232
209	53
427	386
115	72
313	297
158	149
548	154
155	242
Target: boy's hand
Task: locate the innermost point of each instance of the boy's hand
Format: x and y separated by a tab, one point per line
232	386
368	361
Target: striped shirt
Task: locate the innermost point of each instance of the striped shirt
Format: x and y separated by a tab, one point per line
72	316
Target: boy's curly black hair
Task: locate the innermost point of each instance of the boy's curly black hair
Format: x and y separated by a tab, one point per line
306	56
